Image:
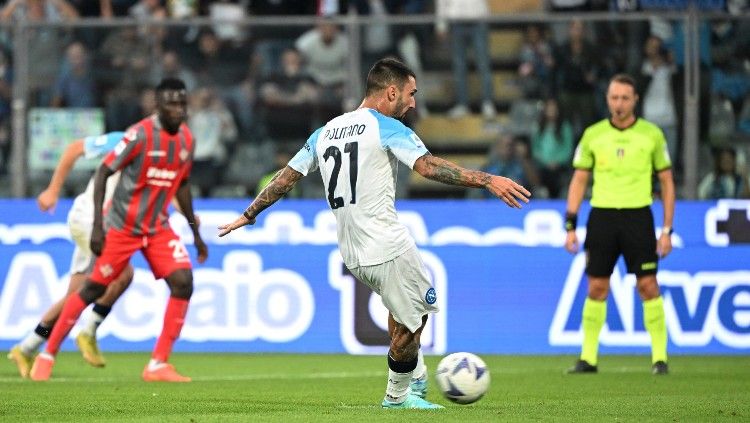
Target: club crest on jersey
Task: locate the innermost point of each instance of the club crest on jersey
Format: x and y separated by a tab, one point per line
184	154
430	296
106	270
130	135
620	153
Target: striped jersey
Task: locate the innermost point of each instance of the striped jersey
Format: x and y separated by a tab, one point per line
153	164
358	154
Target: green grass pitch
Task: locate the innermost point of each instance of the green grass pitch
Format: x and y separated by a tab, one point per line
303	388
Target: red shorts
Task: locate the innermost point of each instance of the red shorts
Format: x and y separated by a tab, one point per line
164	252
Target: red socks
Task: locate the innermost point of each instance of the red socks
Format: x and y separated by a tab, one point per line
71	311
174	318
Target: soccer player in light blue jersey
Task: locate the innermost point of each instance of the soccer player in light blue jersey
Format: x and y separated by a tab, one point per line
80	219
358	154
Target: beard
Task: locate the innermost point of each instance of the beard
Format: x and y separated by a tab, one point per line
399	112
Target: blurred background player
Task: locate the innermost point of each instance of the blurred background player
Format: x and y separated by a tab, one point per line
622	152
357	154
155	157
80	219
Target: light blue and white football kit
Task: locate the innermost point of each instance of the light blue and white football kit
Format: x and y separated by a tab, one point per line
357	155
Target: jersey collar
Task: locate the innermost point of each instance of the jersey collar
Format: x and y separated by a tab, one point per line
623	129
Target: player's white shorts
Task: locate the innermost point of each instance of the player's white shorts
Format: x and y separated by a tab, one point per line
403	285
80	221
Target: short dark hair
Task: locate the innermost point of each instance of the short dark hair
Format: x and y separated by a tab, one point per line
624	78
386	72
170	84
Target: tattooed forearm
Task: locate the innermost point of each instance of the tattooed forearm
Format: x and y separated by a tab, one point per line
281	183
441	170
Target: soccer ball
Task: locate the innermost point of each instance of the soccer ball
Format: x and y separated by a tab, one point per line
463	377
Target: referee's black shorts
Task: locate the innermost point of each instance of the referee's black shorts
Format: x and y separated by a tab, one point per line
611	232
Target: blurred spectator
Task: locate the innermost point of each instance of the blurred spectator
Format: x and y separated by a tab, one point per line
576	71
242	100
730	54
215	62
6	93
552	147
272	40
456	12
510	158
326	53
74	86
92	36
46	44
536	64
288	99
408	41
182	9
171	67
658	87
37	10
150	10
126	57
214	127
385	39
225	13
725	181
377	38
737	7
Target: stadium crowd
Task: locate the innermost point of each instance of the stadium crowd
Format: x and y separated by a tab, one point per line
259	91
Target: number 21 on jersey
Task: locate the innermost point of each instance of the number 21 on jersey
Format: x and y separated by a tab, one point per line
334	154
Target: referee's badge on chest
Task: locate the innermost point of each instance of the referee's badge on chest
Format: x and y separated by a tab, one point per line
620	153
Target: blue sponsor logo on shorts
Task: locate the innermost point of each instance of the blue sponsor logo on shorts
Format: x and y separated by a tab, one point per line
430	296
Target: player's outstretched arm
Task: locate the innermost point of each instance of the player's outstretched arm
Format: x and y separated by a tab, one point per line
47	199
282	182
441	170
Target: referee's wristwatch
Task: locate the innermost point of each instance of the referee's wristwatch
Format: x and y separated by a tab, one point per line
667	230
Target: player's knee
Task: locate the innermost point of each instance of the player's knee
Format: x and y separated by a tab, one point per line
648	289
90	291
598	289
125	278
181	283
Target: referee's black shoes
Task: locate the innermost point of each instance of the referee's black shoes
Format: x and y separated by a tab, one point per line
660	368
582	366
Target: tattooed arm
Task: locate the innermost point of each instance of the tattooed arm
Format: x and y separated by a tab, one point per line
281	183
441	170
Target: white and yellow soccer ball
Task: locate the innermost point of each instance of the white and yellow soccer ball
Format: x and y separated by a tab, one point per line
463	377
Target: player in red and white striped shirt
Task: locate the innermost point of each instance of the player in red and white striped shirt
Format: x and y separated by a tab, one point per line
155	158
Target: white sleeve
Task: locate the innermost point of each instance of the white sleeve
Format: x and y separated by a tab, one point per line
404	144
305	161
